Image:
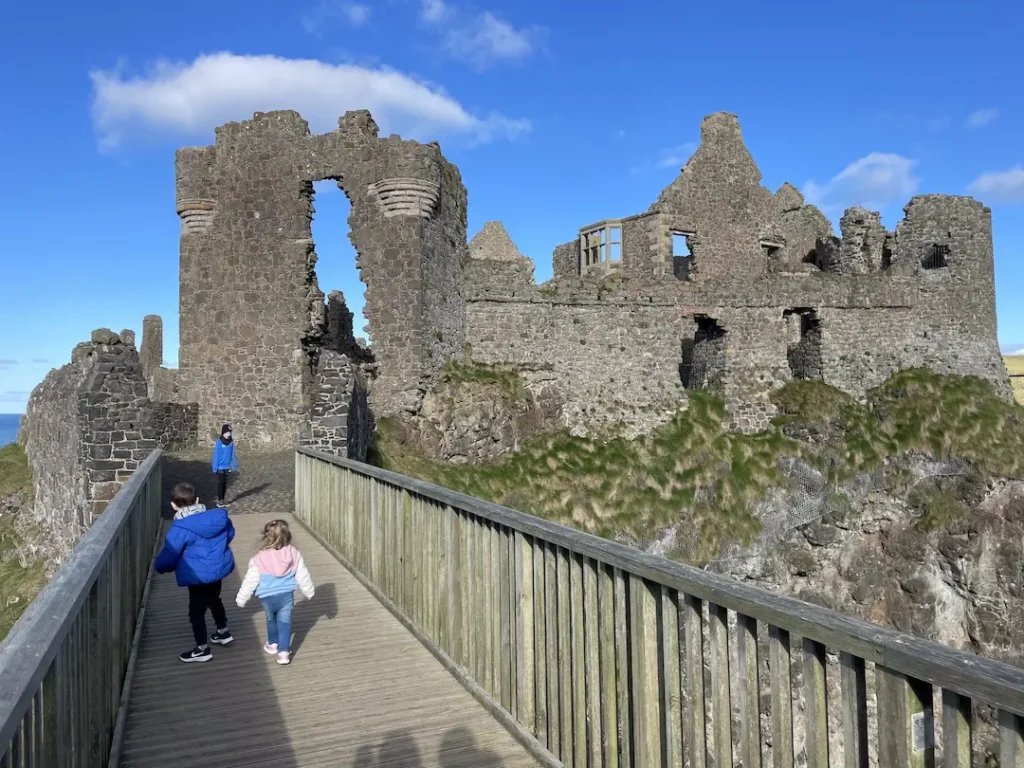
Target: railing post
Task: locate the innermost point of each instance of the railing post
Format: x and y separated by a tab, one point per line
646	693
905	720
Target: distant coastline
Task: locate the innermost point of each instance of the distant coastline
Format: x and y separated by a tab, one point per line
9	425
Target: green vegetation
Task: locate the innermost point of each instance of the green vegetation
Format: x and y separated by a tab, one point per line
469	371
20	578
692	473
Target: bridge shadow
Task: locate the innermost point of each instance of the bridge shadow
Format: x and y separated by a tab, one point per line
304	616
399	750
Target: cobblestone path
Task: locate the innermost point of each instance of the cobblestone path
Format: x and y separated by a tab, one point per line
265	482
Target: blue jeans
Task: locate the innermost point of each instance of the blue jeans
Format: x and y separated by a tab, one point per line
279	619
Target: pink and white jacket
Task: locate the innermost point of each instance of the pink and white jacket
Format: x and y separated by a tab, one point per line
273	572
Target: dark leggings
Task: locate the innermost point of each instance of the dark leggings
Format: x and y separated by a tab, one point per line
203	598
222	484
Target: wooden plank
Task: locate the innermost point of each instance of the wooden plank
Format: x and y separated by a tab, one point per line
781	684
749	691
671	679
609	691
694	724
540	624
979	679
855	711
453	535
552	643
816	703
578	652
505	619
592	663
623	678
956	731
495	618
525	673
905	720
1011	740
565	665
721	707
644	655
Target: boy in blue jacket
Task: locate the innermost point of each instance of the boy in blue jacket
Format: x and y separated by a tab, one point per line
197	548
224	461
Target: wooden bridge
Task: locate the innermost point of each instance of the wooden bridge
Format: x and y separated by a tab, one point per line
450	632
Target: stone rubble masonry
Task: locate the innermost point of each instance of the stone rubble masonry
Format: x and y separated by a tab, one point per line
791	299
88	426
340	421
252	316
151	355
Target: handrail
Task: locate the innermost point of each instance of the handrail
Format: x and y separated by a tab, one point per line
940	665
903	662
70	647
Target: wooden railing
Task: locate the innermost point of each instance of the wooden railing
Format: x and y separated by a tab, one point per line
601	655
63	665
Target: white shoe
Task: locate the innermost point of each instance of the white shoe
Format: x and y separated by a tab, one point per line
270	648
284	657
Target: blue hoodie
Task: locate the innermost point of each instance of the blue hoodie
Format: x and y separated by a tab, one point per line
197	546
224	456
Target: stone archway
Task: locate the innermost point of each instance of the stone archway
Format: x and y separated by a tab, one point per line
252	314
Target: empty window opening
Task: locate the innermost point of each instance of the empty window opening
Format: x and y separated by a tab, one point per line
703	356
886	257
804	349
334	263
936	258
682	255
771	249
600	244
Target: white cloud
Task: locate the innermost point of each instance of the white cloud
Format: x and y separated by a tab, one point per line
1000	186
488	38
193	98
433	11
355	14
982	117
676	156
873	181
481	40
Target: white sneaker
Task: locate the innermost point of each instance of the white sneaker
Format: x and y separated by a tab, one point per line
270	648
284	657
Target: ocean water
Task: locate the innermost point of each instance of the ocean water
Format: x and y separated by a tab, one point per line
9	424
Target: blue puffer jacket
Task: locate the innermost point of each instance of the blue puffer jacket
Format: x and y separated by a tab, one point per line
197	547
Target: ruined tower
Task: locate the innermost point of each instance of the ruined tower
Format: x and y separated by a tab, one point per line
253	317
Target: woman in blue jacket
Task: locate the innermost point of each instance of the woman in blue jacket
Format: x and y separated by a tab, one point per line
224	461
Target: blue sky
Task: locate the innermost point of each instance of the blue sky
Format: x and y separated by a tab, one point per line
558	114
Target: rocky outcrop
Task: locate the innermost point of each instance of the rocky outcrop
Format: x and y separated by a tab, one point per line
477	413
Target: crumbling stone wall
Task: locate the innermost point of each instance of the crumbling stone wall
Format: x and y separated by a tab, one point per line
252	313
340	421
496	265
88	426
176	425
790	298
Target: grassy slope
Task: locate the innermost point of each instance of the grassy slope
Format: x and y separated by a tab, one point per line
1015	365
693	471
18	583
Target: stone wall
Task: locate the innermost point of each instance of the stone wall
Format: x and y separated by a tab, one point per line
340	421
252	313
88	426
176	425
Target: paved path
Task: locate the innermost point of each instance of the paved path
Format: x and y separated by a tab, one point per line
265	481
361	692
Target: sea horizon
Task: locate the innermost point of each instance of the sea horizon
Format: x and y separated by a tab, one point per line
10	423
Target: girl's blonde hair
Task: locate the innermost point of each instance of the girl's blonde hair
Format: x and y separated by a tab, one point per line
276	535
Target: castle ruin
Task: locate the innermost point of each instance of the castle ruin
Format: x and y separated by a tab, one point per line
720	284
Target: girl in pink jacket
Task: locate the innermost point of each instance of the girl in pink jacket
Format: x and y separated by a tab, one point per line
275	572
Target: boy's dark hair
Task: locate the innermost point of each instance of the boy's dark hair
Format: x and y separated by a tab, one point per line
183	495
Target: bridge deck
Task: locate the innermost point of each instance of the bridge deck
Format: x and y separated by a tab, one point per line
361	692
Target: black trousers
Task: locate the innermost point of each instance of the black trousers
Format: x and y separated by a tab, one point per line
222	484
203	598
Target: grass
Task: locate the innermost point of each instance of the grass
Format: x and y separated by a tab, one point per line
1015	365
693	474
20	579
461	372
